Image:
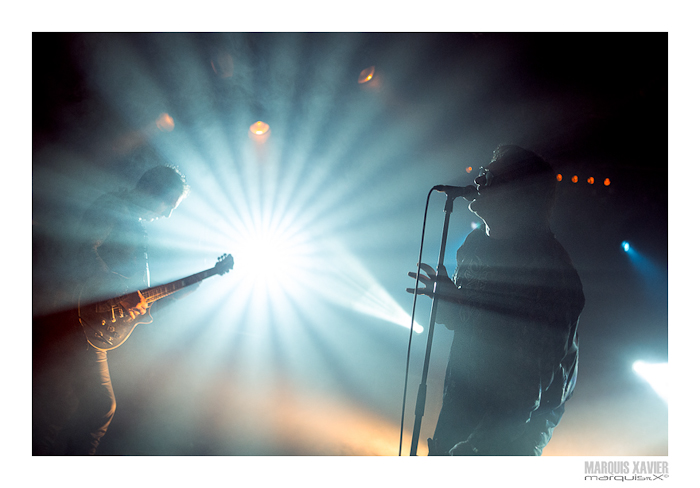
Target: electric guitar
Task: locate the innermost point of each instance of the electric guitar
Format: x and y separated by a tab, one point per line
107	325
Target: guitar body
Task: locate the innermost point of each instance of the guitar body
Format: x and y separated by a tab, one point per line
107	325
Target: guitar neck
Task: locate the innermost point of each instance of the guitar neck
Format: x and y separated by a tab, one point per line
161	291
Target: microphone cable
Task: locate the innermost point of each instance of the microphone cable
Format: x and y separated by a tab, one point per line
413	316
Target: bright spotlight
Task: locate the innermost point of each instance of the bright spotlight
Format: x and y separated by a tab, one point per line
625	246
656	375
281	261
273	255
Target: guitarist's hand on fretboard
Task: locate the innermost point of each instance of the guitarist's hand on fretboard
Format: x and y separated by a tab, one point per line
134	304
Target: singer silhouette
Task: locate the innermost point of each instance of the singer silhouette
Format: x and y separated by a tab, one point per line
513	303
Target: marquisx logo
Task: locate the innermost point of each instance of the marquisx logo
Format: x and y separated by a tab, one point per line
626	470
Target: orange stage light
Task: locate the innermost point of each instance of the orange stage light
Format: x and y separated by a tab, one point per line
606	182
259	128
591	180
259	133
559	177
574	179
165	123
366	75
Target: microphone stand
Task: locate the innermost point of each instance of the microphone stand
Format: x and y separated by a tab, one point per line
423	388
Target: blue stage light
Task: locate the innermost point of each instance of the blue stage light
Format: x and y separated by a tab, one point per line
625	246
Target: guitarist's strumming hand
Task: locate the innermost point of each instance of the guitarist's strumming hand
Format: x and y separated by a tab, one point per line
134	304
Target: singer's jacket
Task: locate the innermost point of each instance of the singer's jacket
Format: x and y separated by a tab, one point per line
514	355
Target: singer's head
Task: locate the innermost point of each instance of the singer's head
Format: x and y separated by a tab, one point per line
516	188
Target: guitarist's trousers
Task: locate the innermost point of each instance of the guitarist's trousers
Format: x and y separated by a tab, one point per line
73	399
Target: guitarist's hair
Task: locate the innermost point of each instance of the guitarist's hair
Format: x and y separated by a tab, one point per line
162	181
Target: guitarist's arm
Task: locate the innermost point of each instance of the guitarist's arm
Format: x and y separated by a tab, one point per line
99	228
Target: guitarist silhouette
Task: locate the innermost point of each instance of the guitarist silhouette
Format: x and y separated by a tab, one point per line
73	398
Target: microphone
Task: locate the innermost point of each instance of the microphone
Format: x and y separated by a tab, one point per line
468	192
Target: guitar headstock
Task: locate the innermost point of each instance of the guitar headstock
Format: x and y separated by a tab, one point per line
224	264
